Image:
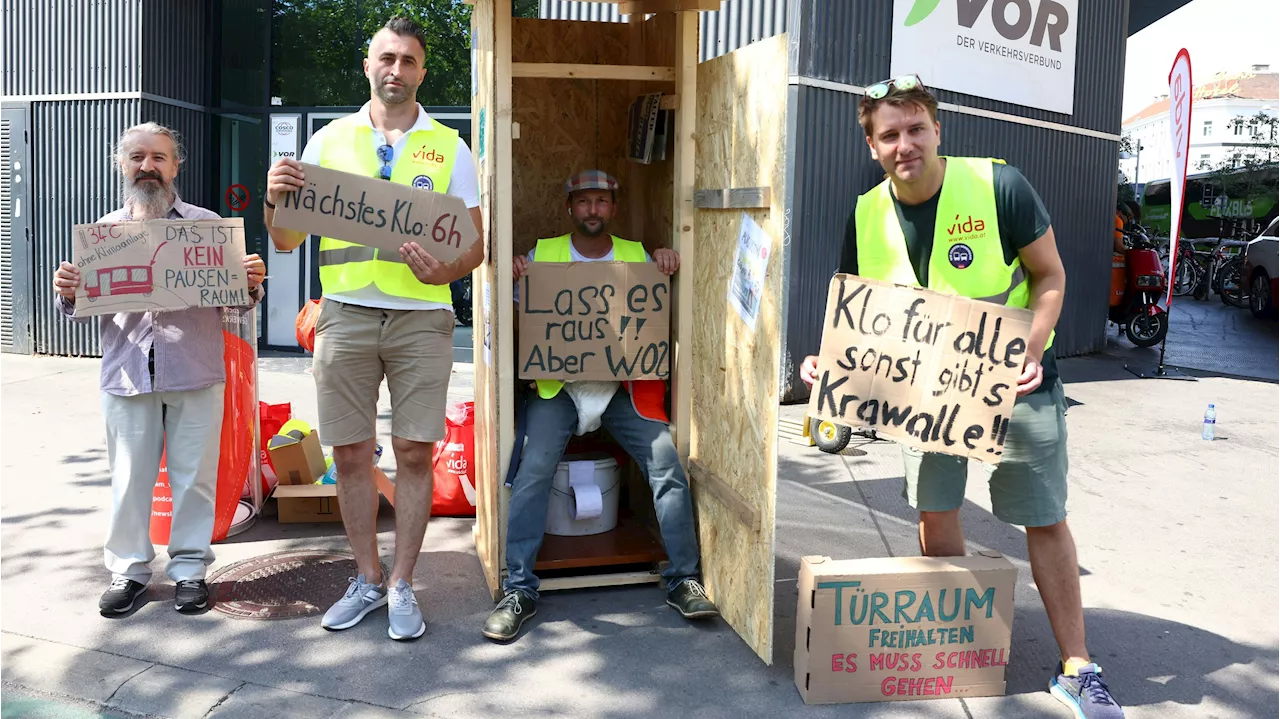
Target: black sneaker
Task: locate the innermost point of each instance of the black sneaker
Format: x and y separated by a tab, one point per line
511	613
1086	694
192	596
120	596
690	599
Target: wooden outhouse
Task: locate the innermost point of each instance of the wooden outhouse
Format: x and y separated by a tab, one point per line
553	97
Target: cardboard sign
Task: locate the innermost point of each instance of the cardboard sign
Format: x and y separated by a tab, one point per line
595	321
873	630
377	213
931	371
160	265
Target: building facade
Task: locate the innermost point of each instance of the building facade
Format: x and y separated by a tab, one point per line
1217	133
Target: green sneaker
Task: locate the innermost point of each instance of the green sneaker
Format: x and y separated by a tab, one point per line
690	599
511	613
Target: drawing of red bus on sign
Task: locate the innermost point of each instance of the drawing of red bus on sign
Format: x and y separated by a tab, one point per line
111	281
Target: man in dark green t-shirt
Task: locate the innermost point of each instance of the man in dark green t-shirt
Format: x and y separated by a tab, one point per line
1022	219
899	220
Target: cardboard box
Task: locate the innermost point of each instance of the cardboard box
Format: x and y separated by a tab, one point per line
307	503
297	458
385	485
873	630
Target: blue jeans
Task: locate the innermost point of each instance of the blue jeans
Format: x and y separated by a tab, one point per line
550	424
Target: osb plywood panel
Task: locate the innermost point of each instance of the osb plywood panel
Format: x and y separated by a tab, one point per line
488	527
740	143
567	126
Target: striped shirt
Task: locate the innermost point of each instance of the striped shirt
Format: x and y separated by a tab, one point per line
186	344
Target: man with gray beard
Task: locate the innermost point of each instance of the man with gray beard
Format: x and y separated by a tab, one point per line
162	379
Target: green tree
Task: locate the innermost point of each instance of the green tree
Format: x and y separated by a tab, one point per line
1124	183
319	45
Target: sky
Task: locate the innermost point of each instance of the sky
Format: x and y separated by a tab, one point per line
1220	35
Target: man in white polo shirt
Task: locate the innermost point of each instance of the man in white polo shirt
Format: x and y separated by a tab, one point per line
384	314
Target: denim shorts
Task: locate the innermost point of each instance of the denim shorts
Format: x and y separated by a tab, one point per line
1028	487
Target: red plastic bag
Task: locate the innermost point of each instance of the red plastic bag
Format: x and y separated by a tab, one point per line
236	445
305	327
454	494
272	418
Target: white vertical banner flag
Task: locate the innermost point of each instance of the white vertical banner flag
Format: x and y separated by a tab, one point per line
1180	126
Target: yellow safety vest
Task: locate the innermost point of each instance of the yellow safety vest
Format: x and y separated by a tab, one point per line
556	249
967	257
426	161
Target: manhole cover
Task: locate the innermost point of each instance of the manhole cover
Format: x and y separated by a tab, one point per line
282	585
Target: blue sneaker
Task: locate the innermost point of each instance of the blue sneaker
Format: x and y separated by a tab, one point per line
1086	694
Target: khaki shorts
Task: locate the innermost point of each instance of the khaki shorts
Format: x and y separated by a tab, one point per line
356	346
1028	487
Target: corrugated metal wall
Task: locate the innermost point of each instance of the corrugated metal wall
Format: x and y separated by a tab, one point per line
194	131
175	56
737	23
1075	174
75	180
123	46
68	46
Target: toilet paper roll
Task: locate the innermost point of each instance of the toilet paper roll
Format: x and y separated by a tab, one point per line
588	503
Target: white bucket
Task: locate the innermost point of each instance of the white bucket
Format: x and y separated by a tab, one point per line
560	506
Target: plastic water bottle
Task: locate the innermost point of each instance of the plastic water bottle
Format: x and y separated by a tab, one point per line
1210	418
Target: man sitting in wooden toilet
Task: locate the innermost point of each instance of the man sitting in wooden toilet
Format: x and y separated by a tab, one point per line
636	417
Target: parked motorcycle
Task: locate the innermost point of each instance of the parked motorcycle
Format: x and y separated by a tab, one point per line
461	292
1138	283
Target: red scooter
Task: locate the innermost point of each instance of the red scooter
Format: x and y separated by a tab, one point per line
1137	285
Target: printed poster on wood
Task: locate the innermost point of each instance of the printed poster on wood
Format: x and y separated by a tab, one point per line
746	285
594	321
931	371
159	265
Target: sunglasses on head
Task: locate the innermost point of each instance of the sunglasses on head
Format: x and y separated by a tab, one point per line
900	84
385	153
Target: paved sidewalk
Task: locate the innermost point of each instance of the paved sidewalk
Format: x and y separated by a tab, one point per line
1177	548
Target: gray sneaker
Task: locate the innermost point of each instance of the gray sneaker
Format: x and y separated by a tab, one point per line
360	599
406	620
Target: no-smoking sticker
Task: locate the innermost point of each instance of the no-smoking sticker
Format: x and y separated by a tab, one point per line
237	197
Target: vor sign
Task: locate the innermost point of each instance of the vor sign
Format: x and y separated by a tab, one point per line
160	265
377	213
595	321
1018	51
931	371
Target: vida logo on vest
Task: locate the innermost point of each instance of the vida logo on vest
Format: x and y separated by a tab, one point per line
968	228
428	156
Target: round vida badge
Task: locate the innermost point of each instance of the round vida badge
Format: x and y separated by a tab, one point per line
960	256
423	182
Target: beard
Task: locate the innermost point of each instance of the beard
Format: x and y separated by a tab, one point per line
150	200
393	95
587	230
